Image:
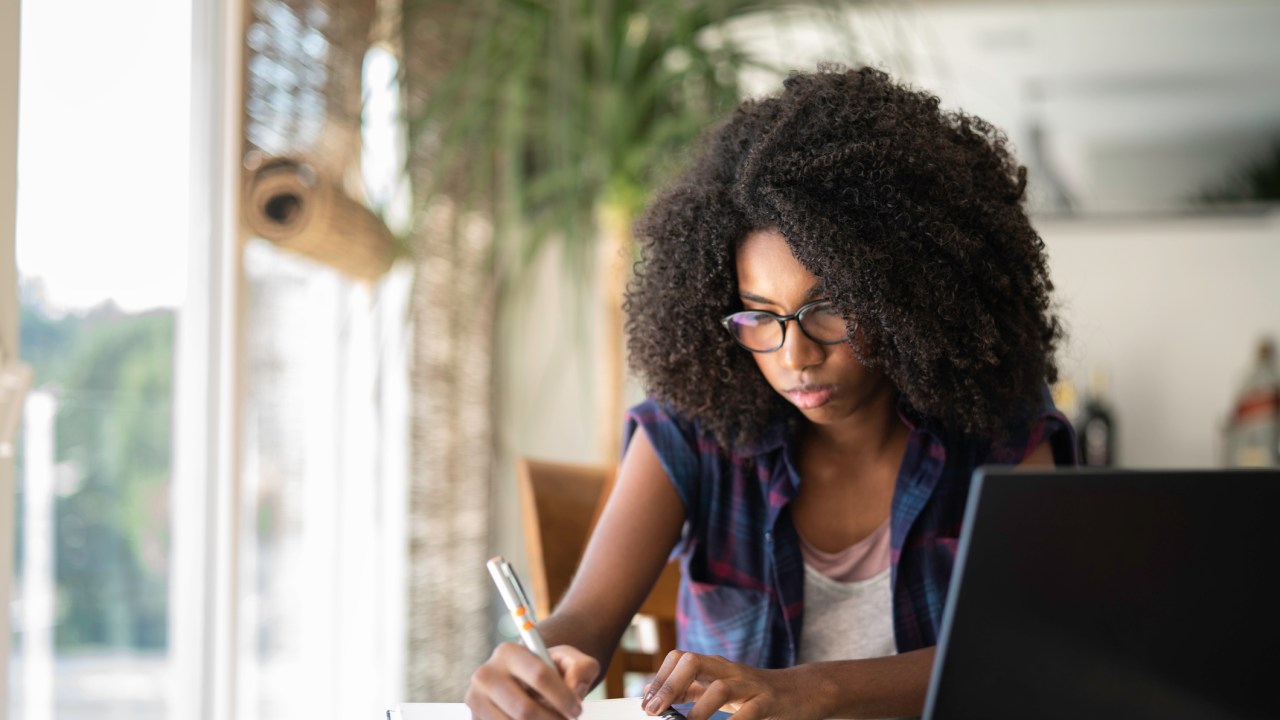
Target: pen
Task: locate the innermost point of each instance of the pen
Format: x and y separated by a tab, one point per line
517	602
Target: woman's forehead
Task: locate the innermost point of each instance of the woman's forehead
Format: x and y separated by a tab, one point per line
768	269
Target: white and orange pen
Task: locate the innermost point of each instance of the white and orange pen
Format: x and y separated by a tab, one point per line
518	604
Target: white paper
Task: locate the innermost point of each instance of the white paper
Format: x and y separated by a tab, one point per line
614	709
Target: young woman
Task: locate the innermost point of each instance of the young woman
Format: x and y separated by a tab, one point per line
841	310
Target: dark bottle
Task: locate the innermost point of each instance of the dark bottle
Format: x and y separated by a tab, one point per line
1096	427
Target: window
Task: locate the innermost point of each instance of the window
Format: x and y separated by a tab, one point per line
100	247
211	524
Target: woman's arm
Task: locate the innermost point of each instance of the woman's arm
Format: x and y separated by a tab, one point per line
627	551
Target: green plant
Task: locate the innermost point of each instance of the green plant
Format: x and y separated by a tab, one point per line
553	115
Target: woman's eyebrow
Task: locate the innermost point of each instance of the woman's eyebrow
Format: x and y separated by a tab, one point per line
755	298
813	293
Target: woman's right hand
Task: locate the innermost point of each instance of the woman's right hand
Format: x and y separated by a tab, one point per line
624	557
515	683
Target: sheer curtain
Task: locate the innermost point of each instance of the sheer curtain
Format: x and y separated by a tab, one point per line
290	492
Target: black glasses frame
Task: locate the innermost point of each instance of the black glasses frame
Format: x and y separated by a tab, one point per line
798	316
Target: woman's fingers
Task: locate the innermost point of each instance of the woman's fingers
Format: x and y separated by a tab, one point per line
714	683
716	695
679	671
578	669
515	683
482	706
544	680
660	677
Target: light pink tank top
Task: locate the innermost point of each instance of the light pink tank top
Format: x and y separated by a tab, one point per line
864	559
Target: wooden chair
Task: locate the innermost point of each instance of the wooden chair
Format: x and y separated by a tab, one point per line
560	505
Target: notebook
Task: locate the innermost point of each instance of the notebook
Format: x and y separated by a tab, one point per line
613	709
1099	594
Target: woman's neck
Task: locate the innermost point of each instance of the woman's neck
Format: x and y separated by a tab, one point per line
848	472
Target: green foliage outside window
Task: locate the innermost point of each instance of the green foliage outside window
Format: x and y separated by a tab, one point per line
112	374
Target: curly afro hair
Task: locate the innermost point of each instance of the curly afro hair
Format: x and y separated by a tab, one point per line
911	217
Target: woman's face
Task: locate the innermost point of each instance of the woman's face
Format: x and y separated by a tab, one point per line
826	382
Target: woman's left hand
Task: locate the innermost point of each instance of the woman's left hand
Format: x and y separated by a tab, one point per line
714	682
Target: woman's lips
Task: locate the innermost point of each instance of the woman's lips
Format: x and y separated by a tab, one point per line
807	397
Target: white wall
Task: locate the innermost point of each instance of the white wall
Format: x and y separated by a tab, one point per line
1139	104
548	388
1173	309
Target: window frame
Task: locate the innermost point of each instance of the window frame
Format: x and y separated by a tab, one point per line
207	361
10	23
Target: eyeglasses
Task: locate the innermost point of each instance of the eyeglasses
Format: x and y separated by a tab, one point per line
761	331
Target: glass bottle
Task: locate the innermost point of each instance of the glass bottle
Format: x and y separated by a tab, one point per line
1253	434
1096	427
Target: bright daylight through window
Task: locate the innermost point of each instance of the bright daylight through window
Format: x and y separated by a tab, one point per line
101	252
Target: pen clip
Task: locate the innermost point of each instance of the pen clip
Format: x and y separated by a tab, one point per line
521	596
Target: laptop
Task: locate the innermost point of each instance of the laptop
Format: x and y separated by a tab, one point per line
1108	594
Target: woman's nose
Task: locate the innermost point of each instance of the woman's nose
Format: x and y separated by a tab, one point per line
798	351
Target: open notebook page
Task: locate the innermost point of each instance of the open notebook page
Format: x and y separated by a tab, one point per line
615	709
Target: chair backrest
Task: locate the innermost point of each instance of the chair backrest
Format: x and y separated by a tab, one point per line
560	504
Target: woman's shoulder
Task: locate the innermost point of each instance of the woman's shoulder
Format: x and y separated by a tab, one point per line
667	426
652	413
1041	423
685	452
672	434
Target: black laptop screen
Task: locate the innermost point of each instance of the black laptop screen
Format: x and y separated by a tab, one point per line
1085	594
